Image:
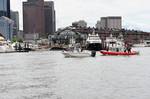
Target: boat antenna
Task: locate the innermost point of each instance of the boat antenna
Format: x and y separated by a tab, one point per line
120	36
111	35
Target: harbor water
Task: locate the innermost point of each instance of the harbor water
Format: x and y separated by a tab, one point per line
48	75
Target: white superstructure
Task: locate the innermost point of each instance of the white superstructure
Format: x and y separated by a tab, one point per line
94	42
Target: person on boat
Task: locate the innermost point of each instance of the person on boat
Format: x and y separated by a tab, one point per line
70	48
78	47
82	49
125	49
117	49
107	48
128	48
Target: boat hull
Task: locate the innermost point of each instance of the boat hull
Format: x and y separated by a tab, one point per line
57	49
94	46
76	54
119	53
6	49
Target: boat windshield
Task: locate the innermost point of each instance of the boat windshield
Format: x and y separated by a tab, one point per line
112	42
147	42
116	49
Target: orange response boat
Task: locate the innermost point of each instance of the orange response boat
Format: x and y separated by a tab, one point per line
104	52
116	46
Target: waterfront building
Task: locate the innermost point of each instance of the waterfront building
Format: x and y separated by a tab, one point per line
6	27
33	19
50	20
111	22
132	36
5	8
67	36
15	18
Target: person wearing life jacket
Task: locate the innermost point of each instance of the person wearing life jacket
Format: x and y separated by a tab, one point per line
129	48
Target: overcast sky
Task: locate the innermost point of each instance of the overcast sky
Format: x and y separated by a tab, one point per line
135	13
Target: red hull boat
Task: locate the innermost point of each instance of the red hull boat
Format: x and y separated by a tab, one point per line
104	52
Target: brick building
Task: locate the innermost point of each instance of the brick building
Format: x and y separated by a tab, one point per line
33	18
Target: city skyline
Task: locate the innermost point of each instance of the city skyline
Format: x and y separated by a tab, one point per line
134	13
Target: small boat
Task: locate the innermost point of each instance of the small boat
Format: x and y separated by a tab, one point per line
19	47
104	52
5	46
139	45
147	43
116	46
143	43
75	50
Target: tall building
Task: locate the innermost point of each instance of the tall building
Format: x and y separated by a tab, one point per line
49	12
5	8
15	17
6	27
33	18
112	22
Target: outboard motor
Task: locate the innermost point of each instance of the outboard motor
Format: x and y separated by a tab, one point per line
93	53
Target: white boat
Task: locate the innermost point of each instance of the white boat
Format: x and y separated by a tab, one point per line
147	43
94	42
75	50
5	46
139	45
144	43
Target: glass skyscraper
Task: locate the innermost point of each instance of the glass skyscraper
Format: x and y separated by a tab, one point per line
5	8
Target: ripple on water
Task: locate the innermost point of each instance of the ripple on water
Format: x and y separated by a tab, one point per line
48	75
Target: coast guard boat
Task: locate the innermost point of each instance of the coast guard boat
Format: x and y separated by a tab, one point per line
117	47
